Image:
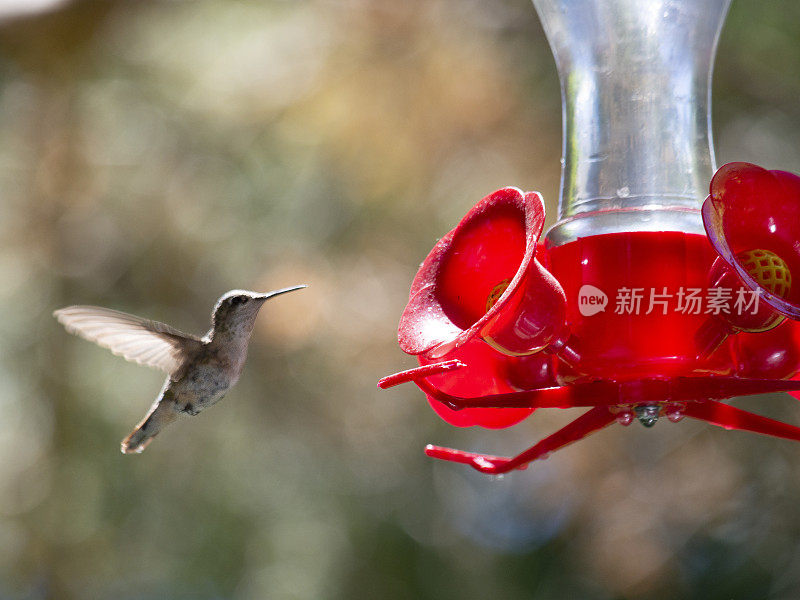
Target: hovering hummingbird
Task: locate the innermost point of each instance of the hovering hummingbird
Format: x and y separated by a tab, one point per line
199	370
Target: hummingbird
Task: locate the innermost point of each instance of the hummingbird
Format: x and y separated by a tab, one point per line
199	370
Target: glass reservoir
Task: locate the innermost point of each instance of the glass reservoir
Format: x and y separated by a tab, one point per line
637	158
635	86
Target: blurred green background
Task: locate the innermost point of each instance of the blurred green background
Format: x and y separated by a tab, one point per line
155	154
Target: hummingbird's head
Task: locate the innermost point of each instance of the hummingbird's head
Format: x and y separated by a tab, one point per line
236	311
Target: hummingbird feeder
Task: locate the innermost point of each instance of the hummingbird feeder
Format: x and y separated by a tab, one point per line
642	301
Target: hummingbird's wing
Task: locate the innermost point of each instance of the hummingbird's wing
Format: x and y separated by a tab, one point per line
139	340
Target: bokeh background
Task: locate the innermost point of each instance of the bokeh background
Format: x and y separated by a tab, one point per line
154	154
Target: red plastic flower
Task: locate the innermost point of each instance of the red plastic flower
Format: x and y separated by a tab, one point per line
481	297
752	218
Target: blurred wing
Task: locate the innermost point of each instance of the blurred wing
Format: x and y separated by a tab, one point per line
139	340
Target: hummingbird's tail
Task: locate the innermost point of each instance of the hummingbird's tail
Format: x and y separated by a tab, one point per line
136	442
160	414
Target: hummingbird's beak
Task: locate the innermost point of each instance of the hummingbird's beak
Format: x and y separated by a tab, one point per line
274	293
